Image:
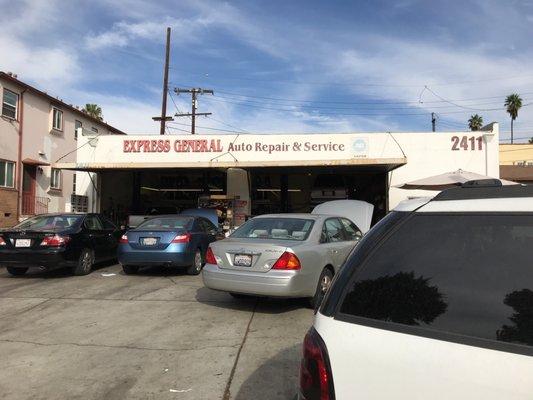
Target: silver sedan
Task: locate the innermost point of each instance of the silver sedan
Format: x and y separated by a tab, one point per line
281	255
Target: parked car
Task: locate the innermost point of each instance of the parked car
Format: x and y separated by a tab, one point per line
167	240
436	302
282	255
51	241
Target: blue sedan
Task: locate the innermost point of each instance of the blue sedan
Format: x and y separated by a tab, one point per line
167	240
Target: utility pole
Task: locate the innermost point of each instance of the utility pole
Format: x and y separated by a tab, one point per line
433	121
194	104
163	118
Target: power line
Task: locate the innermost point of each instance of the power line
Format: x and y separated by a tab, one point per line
229	99
295	109
179	129
194	93
173	101
451	102
203	127
228	125
519	138
378	102
366	84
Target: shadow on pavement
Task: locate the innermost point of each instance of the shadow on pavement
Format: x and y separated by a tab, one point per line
265	305
275	379
159	271
35	272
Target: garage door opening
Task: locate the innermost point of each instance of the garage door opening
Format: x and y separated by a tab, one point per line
267	190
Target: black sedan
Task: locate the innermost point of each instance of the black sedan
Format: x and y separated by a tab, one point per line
51	241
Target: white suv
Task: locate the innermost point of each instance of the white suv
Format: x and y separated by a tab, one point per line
436	302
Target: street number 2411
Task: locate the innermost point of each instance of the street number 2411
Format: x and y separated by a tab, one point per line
467	143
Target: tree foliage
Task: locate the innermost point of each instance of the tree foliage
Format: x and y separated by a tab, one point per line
475	123
94	110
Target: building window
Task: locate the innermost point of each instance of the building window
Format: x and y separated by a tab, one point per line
74	183
55	179
7	174
10	104
77	125
95	130
57	119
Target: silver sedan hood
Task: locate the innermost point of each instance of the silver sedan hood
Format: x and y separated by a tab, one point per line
357	211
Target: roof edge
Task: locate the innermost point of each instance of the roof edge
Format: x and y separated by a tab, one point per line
63	104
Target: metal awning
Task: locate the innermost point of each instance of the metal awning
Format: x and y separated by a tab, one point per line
386	164
31	161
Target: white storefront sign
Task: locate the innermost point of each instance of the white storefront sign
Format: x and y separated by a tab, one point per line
239	150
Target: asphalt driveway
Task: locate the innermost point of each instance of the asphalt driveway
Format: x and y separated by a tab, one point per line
156	335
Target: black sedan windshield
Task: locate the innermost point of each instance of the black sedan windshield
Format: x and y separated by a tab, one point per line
51	222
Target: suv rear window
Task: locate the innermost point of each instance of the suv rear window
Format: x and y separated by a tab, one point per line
461	274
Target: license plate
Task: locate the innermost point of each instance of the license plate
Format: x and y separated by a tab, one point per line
149	241
242	260
23	243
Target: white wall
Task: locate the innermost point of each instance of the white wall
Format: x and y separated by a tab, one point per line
432	154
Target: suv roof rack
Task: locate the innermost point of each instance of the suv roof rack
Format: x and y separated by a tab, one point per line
484	189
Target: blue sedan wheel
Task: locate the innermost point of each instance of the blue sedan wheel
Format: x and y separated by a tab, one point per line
197	265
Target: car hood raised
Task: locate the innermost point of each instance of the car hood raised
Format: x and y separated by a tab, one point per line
357	211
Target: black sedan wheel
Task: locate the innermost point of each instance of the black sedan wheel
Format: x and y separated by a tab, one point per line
85	263
197	265
16	271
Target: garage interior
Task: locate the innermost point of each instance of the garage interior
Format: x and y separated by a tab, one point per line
272	189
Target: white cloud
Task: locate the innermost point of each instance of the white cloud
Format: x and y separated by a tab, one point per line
405	67
125	33
125	113
402	66
54	68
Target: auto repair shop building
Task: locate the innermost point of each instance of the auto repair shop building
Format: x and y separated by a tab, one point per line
273	172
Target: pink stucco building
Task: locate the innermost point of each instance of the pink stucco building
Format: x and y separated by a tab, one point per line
36	130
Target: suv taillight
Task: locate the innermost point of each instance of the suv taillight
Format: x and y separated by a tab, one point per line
55	241
316	381
287	260
210	257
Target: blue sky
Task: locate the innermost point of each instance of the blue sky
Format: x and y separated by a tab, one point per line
280	66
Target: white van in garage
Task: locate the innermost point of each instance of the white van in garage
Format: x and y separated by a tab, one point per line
436	302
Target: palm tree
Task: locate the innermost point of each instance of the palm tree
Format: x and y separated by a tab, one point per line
513	102
531	141
94	111
475	123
